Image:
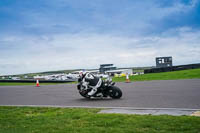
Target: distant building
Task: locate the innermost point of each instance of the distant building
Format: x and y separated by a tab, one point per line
120	71
15	78
163	62
106	67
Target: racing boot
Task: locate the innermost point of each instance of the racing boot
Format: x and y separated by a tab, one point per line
92	92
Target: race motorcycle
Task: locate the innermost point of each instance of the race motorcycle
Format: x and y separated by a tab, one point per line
107	89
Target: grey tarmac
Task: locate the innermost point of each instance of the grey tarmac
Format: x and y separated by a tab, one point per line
145	94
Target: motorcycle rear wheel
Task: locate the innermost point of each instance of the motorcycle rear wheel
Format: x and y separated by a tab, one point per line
115	92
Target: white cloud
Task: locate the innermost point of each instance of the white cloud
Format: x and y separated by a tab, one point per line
70	51
179	7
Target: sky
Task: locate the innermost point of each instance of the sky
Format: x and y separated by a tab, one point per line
48	35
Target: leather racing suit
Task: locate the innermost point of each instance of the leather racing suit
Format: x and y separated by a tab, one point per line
89	80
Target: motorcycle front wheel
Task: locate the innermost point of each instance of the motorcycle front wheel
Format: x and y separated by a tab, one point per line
84	94
115	92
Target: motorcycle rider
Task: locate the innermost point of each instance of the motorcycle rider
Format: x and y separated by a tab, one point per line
89	80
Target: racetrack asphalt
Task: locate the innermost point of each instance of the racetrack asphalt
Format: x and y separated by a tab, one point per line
145	94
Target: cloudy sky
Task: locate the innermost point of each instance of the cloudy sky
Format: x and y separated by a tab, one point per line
45	35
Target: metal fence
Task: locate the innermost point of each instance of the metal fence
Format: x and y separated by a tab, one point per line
173	68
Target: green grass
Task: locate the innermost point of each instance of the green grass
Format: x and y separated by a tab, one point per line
68	120
174	75
19	84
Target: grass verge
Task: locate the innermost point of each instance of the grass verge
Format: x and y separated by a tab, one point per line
174	75
74	120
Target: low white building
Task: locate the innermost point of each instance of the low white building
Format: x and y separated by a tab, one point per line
15	78
120	71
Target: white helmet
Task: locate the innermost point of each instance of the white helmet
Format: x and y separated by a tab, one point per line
82	73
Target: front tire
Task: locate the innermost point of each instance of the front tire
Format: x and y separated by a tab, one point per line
82	93
115	92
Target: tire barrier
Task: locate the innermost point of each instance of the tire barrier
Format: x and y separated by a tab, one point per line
41	81
173	68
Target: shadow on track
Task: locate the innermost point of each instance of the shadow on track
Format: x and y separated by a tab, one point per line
96	99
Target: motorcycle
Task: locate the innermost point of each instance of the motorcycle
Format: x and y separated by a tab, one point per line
107	89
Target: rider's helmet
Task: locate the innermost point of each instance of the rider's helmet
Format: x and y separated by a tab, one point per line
82	73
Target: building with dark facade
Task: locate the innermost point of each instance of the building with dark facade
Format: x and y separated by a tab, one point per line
163	62
106	67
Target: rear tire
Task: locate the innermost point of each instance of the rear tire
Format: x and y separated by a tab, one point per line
115	92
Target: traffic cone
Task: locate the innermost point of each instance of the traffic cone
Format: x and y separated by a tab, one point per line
127	79
37	83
